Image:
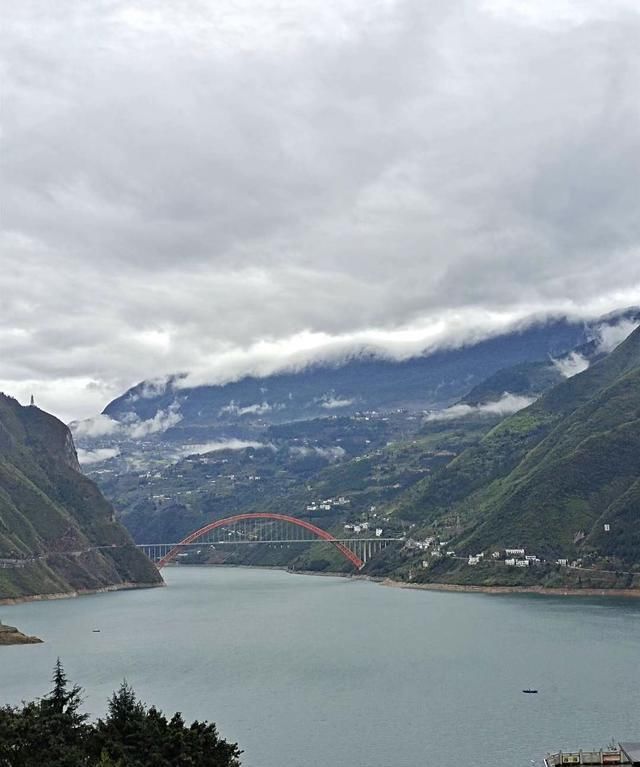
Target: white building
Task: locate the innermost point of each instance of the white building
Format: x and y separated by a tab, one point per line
514	552
522	563
378	532
473	560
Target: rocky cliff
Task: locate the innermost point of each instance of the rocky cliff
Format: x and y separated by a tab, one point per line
58	534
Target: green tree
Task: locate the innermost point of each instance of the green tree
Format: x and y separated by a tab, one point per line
137	736
53	732
10	737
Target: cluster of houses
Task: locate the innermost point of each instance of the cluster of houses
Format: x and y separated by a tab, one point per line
428	543
362	527
328	504
510	557
435	548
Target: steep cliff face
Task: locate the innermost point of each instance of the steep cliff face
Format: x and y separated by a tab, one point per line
58	534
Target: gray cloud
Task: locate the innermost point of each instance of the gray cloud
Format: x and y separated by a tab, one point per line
223	188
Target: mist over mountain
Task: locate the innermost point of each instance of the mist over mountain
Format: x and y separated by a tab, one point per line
364	383
523	364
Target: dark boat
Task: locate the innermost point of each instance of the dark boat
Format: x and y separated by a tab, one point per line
530	692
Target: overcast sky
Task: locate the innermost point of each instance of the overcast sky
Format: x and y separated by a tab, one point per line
215	186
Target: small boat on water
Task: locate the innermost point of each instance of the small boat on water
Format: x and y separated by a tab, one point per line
96	631
530	692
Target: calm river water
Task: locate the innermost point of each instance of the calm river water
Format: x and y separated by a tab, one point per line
328	672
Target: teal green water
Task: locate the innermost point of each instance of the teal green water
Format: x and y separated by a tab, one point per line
329	672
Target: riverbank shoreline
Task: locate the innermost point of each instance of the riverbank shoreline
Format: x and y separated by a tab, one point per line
505	590
126	586
448	587
460	588
380	580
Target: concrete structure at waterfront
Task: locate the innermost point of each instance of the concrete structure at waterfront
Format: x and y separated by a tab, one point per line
626	753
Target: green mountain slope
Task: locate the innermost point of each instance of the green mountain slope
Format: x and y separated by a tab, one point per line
551	476
57	532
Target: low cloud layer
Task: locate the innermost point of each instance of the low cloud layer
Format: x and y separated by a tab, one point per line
218	445
335	403
572	364
257	408
331	454
88	457
610	336
241	186
606	338
130	428
506	405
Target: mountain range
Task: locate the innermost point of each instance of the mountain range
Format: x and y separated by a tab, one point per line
362	383
540	454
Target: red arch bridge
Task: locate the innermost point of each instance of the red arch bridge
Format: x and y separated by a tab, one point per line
264	528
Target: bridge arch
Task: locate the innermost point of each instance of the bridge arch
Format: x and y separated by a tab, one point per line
317	531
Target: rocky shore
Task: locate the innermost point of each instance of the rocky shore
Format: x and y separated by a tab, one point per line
10	635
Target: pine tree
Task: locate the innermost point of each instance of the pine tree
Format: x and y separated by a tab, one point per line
63	701
63	728
123	734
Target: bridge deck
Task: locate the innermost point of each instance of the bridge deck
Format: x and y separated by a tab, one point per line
267	540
